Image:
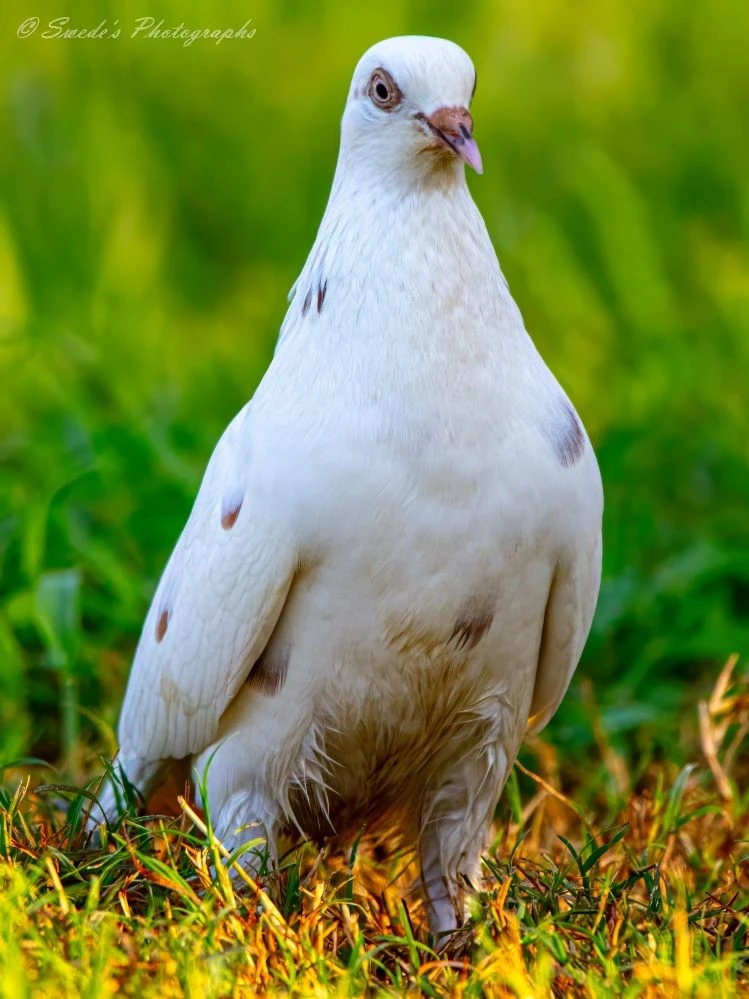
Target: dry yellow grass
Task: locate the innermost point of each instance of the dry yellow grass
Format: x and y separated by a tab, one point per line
653	904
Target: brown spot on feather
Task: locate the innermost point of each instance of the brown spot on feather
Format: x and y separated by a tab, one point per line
470	629
474	621
268	675
569	439
321	295
162	624
229	517
307	302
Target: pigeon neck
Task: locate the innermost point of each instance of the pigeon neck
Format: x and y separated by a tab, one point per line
377	224
399	260
385	178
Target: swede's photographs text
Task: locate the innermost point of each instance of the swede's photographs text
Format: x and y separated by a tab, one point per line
63	28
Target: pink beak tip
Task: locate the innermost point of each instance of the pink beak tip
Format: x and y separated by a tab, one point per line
469	153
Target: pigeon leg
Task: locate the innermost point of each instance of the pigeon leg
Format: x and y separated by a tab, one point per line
455	827
245	823
450	868
243	815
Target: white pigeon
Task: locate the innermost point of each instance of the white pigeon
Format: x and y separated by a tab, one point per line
393	561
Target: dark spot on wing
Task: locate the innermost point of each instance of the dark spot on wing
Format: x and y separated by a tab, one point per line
307	302
162	624
471	626
321	295
230	512
268	675
568	438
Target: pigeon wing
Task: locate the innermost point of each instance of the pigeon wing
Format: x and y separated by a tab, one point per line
569	614
213	613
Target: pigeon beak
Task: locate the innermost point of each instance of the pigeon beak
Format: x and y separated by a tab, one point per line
454	126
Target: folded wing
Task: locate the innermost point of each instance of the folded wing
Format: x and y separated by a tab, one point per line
215	608
569	614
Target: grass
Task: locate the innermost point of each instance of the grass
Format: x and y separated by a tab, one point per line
643	892
156	205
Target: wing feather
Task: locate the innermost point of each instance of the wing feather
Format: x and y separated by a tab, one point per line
214	610
569	615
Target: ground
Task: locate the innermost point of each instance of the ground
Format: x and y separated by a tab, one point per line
644	892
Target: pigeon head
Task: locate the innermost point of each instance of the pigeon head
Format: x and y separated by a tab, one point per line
407	110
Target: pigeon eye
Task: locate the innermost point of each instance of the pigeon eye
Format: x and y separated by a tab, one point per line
383	90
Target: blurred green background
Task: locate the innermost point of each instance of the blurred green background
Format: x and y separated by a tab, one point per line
156	204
